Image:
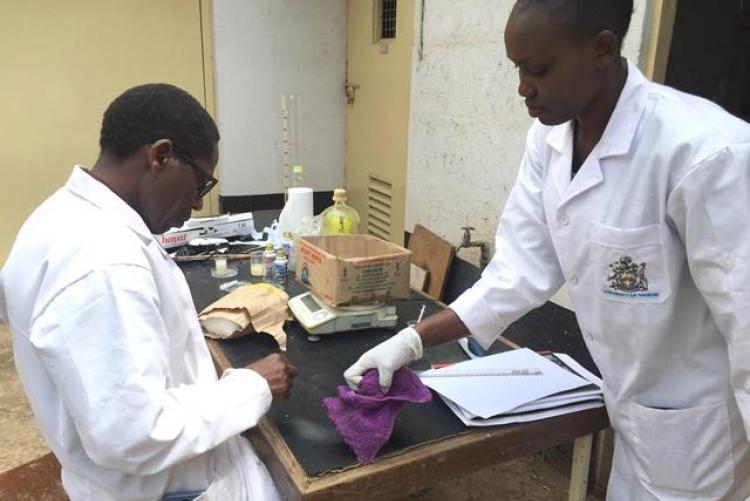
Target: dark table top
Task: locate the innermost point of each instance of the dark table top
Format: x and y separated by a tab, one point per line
302	420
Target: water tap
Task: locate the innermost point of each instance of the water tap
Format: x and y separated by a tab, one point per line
484	256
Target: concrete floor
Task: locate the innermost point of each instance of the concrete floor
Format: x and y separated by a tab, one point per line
542	476
19	437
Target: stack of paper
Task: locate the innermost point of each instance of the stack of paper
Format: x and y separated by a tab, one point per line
515	386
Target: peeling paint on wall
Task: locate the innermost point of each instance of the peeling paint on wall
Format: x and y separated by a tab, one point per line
467	124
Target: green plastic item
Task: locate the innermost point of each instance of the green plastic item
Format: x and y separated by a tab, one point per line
298	179
339	219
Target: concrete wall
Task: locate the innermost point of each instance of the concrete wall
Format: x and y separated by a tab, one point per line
266	48
467	122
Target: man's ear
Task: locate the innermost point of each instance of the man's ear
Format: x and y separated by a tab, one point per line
606	49
158	154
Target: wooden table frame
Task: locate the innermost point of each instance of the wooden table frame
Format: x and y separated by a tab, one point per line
412	469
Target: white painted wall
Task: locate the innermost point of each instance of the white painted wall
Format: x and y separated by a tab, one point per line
467	124
266	48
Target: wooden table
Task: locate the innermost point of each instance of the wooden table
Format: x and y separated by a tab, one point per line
309	461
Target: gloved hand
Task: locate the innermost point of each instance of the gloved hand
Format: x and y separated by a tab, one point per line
387	357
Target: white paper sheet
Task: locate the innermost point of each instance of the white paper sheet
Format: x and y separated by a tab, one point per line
487	396
522	418
581	370
543	404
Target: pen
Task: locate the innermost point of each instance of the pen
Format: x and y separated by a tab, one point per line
482	372
421	313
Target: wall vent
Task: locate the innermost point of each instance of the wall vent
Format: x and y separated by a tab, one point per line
379	196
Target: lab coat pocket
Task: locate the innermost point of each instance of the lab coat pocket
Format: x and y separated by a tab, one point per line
629	265
684	450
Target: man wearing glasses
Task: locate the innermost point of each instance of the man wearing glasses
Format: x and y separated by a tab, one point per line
105	335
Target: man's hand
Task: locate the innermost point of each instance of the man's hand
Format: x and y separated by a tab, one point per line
387	357
278	371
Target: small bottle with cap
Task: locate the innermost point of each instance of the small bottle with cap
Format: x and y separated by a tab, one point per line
269	256
287	242
279	268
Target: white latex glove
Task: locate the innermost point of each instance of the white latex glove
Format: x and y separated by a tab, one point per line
387	357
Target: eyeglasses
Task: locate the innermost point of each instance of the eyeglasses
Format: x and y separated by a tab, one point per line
205	180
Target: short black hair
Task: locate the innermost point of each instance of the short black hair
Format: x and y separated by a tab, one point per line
588	17
146	113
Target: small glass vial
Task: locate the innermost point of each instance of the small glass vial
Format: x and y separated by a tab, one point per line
279	268
269	256
257	268
287	242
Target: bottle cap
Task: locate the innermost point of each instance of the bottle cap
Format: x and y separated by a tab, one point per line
280	254
269	245
339	194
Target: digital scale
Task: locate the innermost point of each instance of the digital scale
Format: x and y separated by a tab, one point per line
318	318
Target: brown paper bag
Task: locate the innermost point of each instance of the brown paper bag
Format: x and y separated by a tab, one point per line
247	309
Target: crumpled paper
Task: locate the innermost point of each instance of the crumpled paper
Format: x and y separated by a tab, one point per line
247	309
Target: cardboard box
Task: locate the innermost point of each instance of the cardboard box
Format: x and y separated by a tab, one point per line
351	269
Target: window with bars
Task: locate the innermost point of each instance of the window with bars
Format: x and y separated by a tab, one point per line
388	24
385	20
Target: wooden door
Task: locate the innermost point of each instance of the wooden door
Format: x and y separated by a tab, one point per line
378	77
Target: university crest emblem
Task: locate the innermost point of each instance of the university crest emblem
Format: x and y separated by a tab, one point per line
627	276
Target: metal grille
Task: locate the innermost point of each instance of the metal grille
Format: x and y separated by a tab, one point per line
388	19
379	208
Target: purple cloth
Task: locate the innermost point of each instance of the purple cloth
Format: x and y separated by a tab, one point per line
365	418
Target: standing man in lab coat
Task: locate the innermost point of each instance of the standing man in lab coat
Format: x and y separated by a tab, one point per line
105	335
637	196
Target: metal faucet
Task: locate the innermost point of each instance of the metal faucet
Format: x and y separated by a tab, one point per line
484	256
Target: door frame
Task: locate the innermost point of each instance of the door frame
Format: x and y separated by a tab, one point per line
659	39
211	203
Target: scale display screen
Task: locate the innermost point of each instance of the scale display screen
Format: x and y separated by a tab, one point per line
312	304
319	318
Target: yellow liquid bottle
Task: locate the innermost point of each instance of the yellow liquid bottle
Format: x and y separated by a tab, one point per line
339	219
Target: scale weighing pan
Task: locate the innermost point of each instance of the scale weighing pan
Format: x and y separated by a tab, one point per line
318	318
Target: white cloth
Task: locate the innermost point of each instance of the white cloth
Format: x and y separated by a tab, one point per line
108	346
652	238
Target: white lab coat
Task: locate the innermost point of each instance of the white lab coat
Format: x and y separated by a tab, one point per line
652	238
109	349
